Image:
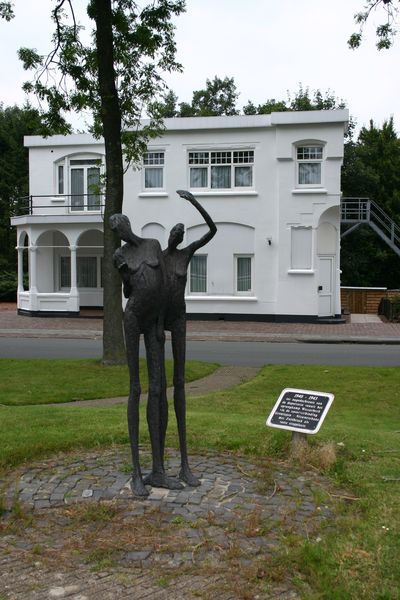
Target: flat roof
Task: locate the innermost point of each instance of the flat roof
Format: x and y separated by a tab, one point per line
311	117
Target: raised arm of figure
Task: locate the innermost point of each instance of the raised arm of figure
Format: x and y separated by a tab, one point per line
212	227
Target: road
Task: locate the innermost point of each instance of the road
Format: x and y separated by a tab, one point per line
225	353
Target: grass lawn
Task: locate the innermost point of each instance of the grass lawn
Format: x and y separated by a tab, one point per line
24	382
360	558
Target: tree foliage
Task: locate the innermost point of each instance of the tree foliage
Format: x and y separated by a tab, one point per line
218	98
385	31
143	48
372	169
15	123
303	99
115	76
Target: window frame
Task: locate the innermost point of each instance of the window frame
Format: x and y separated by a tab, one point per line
202	292
293	268
156	166
63	179
208	160
250	291
99	278
318	160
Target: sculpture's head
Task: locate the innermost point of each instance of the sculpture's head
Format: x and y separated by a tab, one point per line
176	235
121	224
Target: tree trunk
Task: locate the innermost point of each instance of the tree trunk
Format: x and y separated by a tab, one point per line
113	340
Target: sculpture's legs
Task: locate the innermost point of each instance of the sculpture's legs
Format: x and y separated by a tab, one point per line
178	338
163	405
157	411
132	336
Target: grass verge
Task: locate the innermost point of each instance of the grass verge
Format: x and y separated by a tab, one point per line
359	557
28	382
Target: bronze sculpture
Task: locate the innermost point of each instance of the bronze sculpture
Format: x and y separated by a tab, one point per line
141	266
176	265
154	283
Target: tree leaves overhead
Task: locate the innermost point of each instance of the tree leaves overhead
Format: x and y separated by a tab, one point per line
67	80
388	11
6	11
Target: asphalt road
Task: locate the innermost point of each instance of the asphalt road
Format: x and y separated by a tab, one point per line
225	353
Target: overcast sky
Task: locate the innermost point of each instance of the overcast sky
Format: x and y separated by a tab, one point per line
267	46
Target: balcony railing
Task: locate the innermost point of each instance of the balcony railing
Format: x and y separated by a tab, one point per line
59	204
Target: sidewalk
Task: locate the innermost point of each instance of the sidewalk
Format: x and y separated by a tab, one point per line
365	329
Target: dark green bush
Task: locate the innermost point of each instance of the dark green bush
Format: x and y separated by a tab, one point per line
8	286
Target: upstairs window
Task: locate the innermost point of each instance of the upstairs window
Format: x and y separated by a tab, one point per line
153	163
309	165
85	184
221	170
79	178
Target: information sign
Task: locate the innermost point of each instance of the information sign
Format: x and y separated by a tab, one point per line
300	410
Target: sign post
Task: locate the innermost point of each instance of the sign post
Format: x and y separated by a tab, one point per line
300	411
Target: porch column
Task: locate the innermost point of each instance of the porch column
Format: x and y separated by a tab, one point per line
33	291
20	269
32	269
74	289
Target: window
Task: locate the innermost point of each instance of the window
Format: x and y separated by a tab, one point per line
60	179
80	179
85	184
153	163
301	248
309	165
198	274
243	274
224	169
65	272
87	271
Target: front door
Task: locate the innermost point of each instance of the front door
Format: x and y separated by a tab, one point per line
325	286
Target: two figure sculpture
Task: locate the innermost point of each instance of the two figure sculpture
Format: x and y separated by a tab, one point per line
154	283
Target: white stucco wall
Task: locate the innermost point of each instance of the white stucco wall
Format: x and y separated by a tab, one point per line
246	219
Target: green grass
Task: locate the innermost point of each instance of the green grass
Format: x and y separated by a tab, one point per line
360	557
27	382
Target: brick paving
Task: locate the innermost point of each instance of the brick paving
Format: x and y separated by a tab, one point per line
15	325
78	532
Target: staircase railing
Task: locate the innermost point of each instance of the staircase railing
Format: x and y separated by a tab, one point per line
356	211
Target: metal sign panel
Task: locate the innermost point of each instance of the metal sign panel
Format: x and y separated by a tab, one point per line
300	410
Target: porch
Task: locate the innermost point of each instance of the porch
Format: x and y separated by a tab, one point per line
59	260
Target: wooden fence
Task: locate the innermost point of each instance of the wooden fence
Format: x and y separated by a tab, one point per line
360	300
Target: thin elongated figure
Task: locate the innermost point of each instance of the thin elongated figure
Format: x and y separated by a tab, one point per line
141	266
176	264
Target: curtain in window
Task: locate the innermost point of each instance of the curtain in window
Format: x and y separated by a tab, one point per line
153	178
77	189
198	274
93	187
221	177
86	267
244	274
198	177
243	176
60	179
309	173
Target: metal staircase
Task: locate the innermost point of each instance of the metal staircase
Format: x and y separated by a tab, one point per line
357	211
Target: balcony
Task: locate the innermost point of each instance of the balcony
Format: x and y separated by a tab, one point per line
62	208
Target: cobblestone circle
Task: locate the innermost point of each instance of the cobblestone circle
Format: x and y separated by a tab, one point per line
72	529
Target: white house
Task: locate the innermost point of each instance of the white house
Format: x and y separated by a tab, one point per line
271	183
